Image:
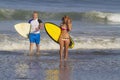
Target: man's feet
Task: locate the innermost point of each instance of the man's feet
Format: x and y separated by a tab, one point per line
32	54
38	54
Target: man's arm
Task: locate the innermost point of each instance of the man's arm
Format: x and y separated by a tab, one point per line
40	24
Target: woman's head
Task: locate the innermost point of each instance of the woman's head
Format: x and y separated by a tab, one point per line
66	20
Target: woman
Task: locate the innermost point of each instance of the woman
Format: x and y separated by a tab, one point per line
64	39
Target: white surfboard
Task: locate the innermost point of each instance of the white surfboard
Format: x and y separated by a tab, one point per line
23	29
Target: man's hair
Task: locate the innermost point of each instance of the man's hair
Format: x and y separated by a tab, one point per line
35	12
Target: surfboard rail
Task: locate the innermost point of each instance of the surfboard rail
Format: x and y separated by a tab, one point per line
23	29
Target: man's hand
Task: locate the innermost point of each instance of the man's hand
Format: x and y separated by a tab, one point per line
41	26
37	29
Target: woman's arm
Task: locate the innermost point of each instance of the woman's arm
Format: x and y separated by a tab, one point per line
69	25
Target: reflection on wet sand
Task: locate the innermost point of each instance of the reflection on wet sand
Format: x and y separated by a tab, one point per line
29	70
21	70
87	66
52	74
64	71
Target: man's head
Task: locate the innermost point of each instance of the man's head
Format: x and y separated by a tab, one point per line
35	15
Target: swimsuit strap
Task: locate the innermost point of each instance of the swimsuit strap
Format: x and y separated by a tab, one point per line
64	29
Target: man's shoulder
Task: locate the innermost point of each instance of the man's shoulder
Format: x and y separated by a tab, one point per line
30	20
39	20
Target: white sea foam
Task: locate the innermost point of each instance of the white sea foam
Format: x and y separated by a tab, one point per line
110	17
7	43
97	43
113	17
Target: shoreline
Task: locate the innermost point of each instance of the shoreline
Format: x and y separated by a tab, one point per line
93	66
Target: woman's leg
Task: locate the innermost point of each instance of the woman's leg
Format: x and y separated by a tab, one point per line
61	42
67	42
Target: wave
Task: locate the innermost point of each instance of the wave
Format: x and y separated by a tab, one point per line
10	42
13	14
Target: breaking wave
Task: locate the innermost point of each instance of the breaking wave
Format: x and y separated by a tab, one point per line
9	42
13	14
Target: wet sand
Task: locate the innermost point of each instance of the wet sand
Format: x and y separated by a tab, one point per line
97	65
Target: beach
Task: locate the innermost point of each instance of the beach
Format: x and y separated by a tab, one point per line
80	66
95	32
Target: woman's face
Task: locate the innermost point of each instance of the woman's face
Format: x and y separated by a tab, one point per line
64	20
69	21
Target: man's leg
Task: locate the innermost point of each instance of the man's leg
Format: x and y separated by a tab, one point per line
38	49
31	38
31	49
37	44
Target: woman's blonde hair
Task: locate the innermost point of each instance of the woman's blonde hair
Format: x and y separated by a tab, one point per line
67	20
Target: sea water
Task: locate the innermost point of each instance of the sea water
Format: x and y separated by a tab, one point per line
86	35
96	24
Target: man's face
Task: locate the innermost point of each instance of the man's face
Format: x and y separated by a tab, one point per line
35	15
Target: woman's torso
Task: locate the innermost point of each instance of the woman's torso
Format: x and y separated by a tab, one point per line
64	31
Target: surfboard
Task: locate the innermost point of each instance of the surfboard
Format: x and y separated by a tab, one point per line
54	32
23	29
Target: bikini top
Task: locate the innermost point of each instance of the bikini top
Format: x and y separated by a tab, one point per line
64	28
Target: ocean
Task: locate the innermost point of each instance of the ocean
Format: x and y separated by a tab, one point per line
95	31
96	24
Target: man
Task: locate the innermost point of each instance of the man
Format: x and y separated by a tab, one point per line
34	36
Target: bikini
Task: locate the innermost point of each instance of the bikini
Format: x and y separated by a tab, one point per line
64	29
64	39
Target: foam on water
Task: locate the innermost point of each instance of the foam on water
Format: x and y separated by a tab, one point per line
97	43
9	43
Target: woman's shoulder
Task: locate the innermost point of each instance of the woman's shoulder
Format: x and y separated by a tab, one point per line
62	24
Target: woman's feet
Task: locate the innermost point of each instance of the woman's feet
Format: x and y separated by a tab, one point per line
65	59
